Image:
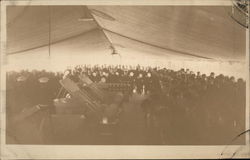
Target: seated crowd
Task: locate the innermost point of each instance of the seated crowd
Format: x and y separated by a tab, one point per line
175	98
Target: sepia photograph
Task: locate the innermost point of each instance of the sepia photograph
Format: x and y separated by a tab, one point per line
126	75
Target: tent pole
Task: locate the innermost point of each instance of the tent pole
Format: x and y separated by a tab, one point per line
49	29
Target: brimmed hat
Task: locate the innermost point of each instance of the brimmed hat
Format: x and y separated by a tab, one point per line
21	79
43	79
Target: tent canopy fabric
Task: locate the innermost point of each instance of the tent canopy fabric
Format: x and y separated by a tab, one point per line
177	32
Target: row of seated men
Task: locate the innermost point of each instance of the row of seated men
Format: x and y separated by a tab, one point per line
189	101
144	80
140	80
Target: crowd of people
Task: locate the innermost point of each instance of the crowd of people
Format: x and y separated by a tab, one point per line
175	99
29	88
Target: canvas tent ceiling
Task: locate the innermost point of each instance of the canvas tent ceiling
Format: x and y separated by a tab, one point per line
172	31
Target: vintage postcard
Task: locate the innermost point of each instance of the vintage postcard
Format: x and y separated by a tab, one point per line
108	79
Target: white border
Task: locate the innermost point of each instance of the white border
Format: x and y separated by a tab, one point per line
118	2
116	151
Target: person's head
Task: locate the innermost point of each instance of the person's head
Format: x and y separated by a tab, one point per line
232	79
148	74
212	74
106	74
203	76
125	73
131	74
103	80
240	81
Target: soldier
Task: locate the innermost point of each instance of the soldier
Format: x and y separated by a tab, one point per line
67	74
44	92
75	76
131	81
148	108
22	123
95	77
139	83
116	77
148	83
103	78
